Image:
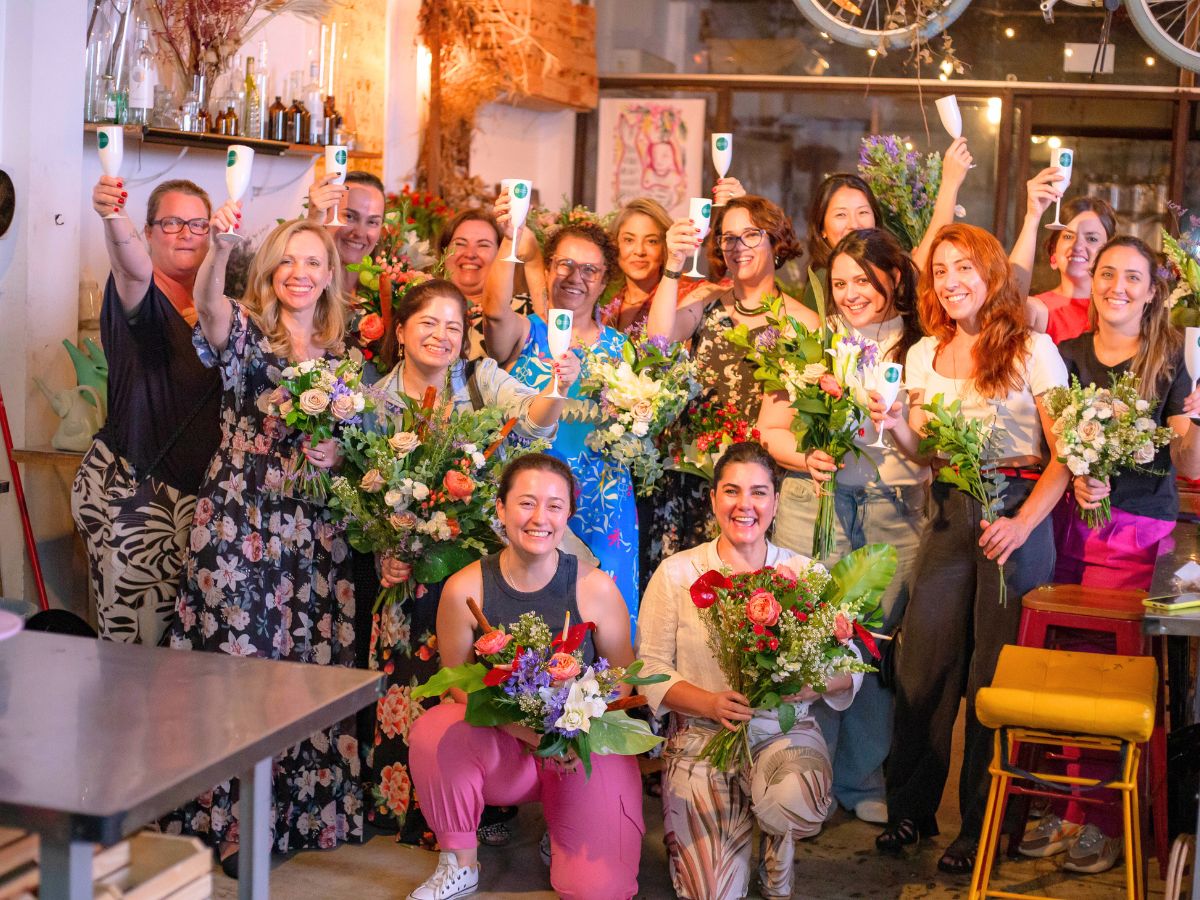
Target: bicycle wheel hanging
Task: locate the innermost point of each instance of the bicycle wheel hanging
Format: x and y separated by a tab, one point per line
1170	27
892	24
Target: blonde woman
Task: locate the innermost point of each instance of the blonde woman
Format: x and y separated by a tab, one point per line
269	574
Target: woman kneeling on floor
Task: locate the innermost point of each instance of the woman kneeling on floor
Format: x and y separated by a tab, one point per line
708	814
595	823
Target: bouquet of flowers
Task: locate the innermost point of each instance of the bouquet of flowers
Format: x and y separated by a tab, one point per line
967	444
706	437
822	375
775	631
422	489
419	211
532	678
1183	254
635	399
317	397
1103	430
905	184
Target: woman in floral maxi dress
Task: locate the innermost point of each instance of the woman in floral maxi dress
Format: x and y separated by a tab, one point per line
269	573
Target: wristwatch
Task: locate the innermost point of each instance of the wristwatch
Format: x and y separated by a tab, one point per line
667	273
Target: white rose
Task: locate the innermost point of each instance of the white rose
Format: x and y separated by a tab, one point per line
1103	411
420	491
812	373
290	372
307	366
573	718
1142	405
1077	465
616	429
478	459
1144	424
1144	454
640	429
360	402
392	497
314	401
1090	455
1089	430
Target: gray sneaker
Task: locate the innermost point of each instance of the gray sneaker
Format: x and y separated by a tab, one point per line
1050	836
1092	852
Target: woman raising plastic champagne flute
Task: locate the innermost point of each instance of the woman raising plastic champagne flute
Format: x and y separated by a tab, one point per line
335	163
110	142
558	336
239	162
700	212
519	195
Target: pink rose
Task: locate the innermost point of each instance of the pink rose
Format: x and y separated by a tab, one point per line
763	609
843	628
458	485
492	643
829	385
562	666
785	572
344	407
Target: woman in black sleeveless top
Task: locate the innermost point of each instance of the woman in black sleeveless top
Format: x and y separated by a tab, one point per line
595	823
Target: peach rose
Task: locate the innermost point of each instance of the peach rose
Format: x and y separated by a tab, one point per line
562	666
843	628
763	609
458	485
404	442
372	482
314	401
344	407
492	643
371	327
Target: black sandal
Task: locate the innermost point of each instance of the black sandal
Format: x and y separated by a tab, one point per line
899	838
959	858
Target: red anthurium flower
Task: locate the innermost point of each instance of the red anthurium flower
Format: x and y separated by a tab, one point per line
704	589
497	675
574	637
868	641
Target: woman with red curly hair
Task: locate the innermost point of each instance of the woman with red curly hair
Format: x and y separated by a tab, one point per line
979	351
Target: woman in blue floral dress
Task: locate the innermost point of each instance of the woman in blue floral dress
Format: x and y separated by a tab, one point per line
269	573
580	260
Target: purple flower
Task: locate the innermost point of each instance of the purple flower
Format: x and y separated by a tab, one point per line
766	339
659	342
868	350
600	665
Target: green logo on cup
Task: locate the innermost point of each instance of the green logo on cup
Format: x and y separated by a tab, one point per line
340	157
891	376
1064	159
231	159
707	210
520	191
102	139
722	144
562	322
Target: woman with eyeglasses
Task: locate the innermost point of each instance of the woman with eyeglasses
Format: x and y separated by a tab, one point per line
269	572
134	493
845	202
751	238
580	260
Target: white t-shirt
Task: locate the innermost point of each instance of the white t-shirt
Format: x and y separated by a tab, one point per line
671	636
1018	427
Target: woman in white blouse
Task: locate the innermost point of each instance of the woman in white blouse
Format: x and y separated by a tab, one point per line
708	861
980	352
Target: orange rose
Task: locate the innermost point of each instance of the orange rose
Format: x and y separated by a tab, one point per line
843	628
455	528
562	666
458	485
763	609
371	327
492	643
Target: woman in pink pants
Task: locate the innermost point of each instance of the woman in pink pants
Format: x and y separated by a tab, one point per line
595	823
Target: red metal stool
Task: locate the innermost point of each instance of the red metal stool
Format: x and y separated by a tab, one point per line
1105	611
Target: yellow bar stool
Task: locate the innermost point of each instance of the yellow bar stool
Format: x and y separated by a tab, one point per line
1056	698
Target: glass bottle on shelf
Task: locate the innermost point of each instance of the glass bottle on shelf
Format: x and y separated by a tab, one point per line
332	117
277	117
219	125
141	79
251	104
94	85
231	121
261	81
314	104
293	122
304	125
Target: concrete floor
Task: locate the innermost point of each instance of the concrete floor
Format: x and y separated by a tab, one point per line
839	864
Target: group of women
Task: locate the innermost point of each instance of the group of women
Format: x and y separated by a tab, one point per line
194	542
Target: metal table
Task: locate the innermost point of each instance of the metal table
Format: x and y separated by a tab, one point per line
1182	624
97	739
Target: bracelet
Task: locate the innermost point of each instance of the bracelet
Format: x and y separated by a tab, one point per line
667	273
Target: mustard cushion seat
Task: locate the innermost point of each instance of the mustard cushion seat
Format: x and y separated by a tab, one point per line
1081	693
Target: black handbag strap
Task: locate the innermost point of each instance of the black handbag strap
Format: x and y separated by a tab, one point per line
472	370
213	390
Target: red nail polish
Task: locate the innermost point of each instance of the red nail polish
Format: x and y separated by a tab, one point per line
123	195
239	215
116	209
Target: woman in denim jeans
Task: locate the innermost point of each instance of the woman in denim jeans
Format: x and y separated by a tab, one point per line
880	496
979	352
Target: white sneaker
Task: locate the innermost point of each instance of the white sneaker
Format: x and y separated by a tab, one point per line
448	880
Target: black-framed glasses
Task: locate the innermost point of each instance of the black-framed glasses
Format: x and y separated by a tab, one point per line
589	272
750	238
174	225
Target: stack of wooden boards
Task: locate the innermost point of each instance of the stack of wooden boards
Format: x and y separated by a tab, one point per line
148	866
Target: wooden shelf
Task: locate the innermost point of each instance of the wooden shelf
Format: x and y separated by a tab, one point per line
46	456
149	135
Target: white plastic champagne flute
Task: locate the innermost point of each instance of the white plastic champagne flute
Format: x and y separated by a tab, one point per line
239	161
520	192
559	324
722	154
110	142
335	164
1064	159
700	212
950	115
887	383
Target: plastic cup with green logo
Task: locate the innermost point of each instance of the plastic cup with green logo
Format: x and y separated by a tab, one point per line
520	192
722	154
559	325
887	384
336	158
1064	160
239	162
110	143
700	212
